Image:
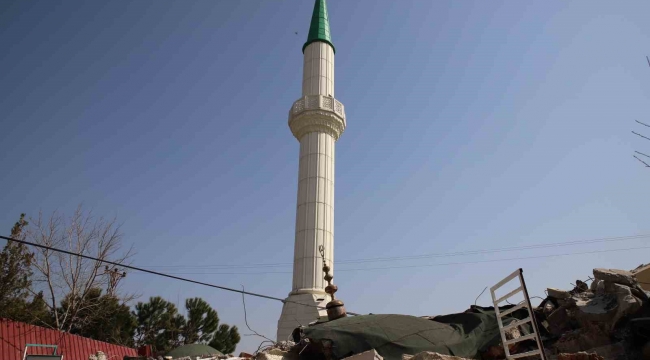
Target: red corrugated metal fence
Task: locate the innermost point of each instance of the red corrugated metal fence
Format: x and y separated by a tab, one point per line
15	335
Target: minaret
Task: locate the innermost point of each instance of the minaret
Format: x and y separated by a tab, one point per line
316	120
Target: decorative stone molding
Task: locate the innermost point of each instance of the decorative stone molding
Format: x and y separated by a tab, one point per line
314	291
317	113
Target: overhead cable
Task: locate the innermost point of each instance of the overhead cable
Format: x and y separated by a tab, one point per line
160	274
429	265
420	256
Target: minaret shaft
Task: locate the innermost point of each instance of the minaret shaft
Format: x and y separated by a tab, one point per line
318	70
315	205
316	120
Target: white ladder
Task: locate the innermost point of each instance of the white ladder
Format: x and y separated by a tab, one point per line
530	319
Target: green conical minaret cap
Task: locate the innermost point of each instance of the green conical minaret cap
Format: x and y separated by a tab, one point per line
319	29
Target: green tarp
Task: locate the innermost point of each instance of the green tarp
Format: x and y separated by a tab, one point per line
193	350
465	334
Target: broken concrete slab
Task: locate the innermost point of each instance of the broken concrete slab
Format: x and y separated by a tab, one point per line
427	355
638	291
367	355
615	276
627	303
610	287
276	354
601	308
622	290
557	293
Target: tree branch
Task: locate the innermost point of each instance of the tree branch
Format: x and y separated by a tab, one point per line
644	163
246	319
636	133
638	152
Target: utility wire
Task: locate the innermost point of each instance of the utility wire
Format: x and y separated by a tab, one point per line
160	274
422	256
432	265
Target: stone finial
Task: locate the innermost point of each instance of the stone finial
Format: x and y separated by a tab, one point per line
335	308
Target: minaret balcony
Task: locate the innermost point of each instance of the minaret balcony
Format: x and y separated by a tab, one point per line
317	113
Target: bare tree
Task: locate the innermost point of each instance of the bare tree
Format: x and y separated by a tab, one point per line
638	152
67	281
645	160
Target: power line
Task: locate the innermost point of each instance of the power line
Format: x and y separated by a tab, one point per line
161	274
421	256
433	265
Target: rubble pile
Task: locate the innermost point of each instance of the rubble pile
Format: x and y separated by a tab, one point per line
597	319
608	319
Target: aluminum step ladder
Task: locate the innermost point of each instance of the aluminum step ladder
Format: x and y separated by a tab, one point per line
54	356
534	335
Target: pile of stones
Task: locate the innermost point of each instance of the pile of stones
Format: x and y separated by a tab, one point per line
605	318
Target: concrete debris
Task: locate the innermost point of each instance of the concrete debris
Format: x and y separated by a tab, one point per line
548	307
616	276
640	293
97	356
427	355
601	308
581	339
642	274
513	333
608	319
368	355
613	351
276	354
557	293
558	322
580	356
581	286
600	321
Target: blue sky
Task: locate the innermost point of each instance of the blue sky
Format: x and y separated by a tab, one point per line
471	125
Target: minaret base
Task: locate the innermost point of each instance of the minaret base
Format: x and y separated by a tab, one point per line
296	315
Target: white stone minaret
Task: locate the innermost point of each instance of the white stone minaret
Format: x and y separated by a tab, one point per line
317	120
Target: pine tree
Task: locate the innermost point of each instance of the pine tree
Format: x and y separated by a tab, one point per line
202	321
159	325
226	339
15	274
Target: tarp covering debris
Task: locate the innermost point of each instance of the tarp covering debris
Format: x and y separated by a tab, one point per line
608	319
465	334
